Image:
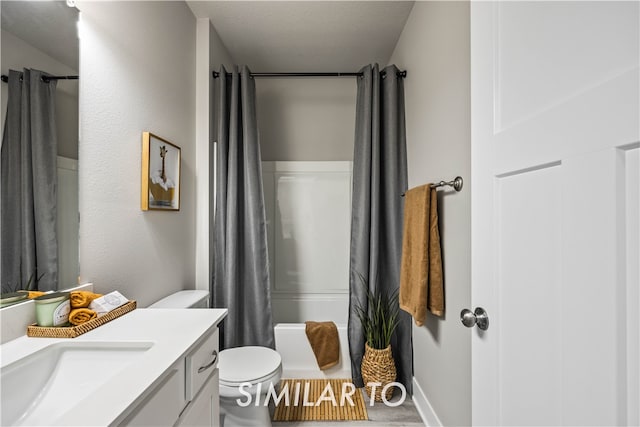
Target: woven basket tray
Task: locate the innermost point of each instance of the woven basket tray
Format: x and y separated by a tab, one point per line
73	331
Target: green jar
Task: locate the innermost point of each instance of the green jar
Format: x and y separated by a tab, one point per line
53	309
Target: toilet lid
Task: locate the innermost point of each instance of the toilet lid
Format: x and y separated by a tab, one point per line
247	364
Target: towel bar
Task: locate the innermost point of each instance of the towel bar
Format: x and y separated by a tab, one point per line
456	183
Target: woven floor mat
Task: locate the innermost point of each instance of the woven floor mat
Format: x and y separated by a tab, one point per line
319	400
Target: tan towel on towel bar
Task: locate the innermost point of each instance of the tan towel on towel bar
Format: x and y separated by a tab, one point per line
421	284
323	337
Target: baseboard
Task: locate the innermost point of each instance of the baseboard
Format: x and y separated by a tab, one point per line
428	415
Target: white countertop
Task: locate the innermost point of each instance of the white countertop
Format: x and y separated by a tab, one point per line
172	332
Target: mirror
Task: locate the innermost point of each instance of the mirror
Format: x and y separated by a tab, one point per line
43	35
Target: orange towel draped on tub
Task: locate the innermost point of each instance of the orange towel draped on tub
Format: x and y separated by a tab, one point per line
421	283
323	337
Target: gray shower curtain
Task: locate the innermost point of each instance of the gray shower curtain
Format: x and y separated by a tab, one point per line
29	181
379	179
240	260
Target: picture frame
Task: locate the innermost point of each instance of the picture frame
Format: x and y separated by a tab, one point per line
161	167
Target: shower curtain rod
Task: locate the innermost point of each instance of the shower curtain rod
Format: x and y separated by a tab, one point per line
349	74
46	79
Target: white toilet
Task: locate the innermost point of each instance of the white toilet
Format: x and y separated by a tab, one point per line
184	299
244	371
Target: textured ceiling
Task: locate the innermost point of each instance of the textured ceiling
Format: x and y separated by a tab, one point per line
271	36
47	25
323	36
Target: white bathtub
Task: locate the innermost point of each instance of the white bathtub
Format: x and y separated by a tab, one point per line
298	360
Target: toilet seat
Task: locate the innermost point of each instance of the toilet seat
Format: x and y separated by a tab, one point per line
249	364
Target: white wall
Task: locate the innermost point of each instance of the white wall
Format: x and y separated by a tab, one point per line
137	67
434	49
306	118
18	54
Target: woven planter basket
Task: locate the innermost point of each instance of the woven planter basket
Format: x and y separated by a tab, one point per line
378	366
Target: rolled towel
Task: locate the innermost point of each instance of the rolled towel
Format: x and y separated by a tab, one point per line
82	299
80	315
323	337
34	294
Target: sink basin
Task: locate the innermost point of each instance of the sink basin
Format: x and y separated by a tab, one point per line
44	385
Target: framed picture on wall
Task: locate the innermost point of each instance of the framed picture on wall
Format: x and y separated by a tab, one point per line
160	174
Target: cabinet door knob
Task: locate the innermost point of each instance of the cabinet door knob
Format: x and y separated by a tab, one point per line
210	364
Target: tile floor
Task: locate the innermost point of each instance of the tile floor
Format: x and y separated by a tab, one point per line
380	415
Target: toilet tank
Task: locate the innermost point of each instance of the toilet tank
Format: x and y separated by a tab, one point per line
184	299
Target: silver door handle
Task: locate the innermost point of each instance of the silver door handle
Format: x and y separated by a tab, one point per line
477	317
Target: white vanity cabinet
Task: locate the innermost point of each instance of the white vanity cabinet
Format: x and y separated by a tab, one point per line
187	393
201	384
169	376
204	409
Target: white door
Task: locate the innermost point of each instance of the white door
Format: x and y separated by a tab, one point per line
555	131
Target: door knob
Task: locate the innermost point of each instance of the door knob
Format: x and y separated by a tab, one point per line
477	317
